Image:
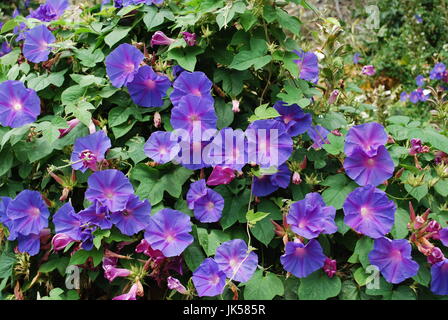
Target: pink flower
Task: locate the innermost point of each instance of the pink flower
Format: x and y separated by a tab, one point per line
131	295
296	179
60	241
190	38
334	95
110	272
175	284
330	267
235	106
435	256
159	38
368	70
71	125
221	175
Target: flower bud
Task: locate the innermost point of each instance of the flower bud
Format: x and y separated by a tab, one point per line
175	284
190	38
330	267
235	105
333	96
435	256
60	241
296	178
159	38
157	120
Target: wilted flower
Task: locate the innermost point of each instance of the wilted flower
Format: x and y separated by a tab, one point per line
221	175
208	279
122	64
235	105
302	260
174	284
131	295
71	125
333	96
296	179
330	267
435	256
60	241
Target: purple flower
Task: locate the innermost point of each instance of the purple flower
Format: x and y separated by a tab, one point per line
131	295
160	39
330	267
51	10
368	136
235	260
87	238
197	190
28	213
5	48
435	256
208	279
267	184
310	217
229	149
148	88
393	259
190	38
177	70
420	80
404	96
18	105
439	278
418	18
89	151
174	284
268	143
36	46
365	168
356	58
111	272
221	175
4	203
122	64
208	208
161	148
437	72
168	232
29	243
443	236
111	188
418	95
308	65
296	121
67	222
368	211
319	136
194	153
97	214
191	83
193	111
368	70
302	260
134	218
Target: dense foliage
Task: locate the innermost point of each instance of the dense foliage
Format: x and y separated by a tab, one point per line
351	205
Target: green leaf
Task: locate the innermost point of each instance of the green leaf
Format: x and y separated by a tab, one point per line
7	262
7	161
336	145
99	234
255	57
235	206
154	18
135	150
288	21
185	57
263	231
116	35
417	192
318	286
403	293
292	95
263	287
360	276
349	291
400	228
59	263
224	113
226	14
338	189
81	256
89	57
248	19
264	112
441	187
253	217
361	252
71	95
193	256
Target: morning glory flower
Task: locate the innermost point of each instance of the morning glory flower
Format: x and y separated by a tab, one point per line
192	83
269	144
310	217
369	136
420	80
418	95
208	279
267	184
161	148
97	214
437	72
169	231
296	121
404	96
229	149
28	213
160	39
4	202
418	18
221	175
18	105
368	70
66	221
235	260
190	38
134	218
197	190
208	208
29	243
443	236
89	151
194	155
191	111
393	259
111	188
36	47
439	278
122	64
131	295
356	58
365	168
369	211
319	136
5	48
51	10
148	88
302	260
308	65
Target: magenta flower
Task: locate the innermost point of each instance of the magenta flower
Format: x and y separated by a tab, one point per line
36	47
131	295
122	64
267	184
111	272
369	211
208	208
208	279
134	218
28	214
302	260
148	88
160	39
235	260
191	83
310	217
368	136
221	175
269	144
330	267
18	105
97	214
89	151
393	259
71	125
161	148
197	190
319	136
111	188
67	222
369	168
145	248
435	256
193	111
296	121
174	284
439	278
190	38
368	70
60	241
168	232
308	65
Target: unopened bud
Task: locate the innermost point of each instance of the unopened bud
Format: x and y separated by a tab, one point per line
296	178
157	120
